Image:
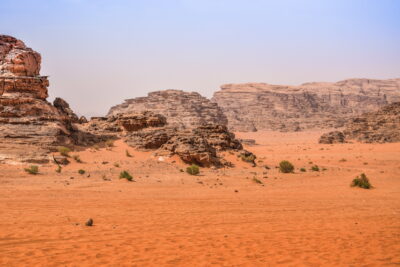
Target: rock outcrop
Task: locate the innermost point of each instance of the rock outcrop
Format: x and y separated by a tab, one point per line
382	126
260	106
30	126
182	109
334	137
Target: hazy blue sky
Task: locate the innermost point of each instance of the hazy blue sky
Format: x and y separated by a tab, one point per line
100	52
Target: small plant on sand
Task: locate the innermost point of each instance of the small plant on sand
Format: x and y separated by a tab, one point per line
315	168
303	169
59	168
116	164
128	154
286	167
81	171
361	181
250	158
343	160
77	158
257	181
193	169
64	151
126	175
32	170
110	143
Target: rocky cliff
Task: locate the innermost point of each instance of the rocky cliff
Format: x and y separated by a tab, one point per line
260	106
182	109
30	126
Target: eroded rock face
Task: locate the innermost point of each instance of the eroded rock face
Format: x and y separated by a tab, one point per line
334	137
30	126
382	126
64	108
260	106
182	109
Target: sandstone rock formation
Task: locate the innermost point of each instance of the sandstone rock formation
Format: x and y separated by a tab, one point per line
182	109
382	126
260	106
334	137
30	126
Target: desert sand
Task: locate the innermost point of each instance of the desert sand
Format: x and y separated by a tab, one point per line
218	218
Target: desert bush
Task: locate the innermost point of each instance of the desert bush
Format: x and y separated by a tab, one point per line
257	181
361	181
33	169
64	151
110	143
315	168
286	167
77	158
81	171
126	175
59	169
303	170
250	158
193	169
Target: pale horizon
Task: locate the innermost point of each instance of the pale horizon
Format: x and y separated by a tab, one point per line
99	53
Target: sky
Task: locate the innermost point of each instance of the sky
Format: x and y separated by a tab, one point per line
100	52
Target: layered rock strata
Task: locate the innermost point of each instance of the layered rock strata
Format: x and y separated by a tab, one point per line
260	106
182	109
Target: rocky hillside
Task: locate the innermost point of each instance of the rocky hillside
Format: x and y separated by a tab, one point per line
260	106
182	109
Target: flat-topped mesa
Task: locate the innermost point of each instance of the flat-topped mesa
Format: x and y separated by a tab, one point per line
261	106
182	109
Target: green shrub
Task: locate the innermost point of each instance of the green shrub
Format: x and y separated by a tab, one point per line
81	171
64	151
126	175
315	168
286	167
32	170
193	169
250	158
361	181
303	170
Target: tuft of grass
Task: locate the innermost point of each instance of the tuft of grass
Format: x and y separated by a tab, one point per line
81	171
110	143
315	168
126	175
257	181
33	169
59	169
286	167
77	158
193	169
361	181
128	154
302	169
64	151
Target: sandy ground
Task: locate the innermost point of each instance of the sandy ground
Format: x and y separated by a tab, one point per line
221	217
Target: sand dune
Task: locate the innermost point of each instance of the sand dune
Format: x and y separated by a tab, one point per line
168	218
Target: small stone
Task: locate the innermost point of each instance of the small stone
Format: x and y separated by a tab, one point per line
89	222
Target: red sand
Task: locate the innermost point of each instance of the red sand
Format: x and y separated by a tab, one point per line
171	218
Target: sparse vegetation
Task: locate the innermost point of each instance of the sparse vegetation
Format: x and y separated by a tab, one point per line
64	151
116	165
126	175
82	172
286	167
193	169
315	168
257	180
77	158
343	160
128	154
59	168
33	169
251	158
303	169
361	181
